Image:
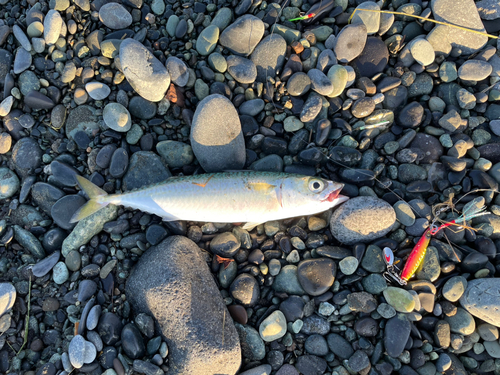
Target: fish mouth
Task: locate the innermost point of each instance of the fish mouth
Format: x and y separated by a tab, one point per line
335	194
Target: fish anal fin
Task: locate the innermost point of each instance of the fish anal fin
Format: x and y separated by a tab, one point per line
250	226
261	187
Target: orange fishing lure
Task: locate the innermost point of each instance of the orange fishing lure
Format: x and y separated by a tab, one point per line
417	255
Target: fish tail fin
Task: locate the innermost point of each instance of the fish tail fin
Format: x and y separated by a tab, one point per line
94	204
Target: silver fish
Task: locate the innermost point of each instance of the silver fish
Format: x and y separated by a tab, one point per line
229	197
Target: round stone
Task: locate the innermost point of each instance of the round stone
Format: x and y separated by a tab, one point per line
217	140
207	40
362	219
97	90
350	42
9	183
338	77
115	16
241	69
145	73
348	265
245	290
316	276
422	52
117	117
474	70
60	273
298	84
400	299
454	288
273	327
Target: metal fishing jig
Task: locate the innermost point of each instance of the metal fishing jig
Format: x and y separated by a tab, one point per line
417	255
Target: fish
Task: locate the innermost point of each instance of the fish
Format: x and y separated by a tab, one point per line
249	197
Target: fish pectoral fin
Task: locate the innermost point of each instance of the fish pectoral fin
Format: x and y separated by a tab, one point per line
261	187
250	226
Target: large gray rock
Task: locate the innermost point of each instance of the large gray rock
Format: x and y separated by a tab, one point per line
269	56
482	299
172	283
145	73
461	13
216	136
243	35
362	219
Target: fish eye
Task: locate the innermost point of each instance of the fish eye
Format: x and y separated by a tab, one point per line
316	185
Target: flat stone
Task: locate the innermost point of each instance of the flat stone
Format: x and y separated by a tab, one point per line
115	16
350	42
481	299
273	327
287	281
370	19
454	288
461	13
241	69
216	136
117	117
362	219
207	40
145	73
422	52
178	71
400	299
269	56
52	25
183	308
474	70
316	276
249	26
97	90
7	297
396	333
462	322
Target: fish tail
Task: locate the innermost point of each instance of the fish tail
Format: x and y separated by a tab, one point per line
95	202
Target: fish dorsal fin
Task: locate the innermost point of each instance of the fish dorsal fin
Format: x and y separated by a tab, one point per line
250	226
261	187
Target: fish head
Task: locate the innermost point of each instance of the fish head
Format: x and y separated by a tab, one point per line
310	195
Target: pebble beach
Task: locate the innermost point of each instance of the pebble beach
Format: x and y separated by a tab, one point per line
405	112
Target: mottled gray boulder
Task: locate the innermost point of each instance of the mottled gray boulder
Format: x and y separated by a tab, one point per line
243	35
269	56
145	73
461	13
362	219
482	299
172	283
216	136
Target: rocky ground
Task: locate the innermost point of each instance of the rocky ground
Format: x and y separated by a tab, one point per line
406	113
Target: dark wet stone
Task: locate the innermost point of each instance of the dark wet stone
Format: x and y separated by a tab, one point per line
109	328
293	308
45	195
44	266
6	59
310	365
315	324
53	239
63	210
119	163
339	346
373	59
298	84
132	342
316	345
86	289
27	156
396	333
359	361
37	100
142	108
411	116
316	275
366	327
238	313
245	290
63	174
145	168
345	155
362	302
